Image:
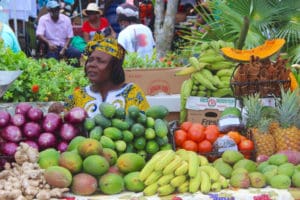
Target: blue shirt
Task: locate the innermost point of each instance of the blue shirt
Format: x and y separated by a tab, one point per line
9	38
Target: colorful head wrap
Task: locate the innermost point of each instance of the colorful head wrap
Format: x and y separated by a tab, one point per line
105	44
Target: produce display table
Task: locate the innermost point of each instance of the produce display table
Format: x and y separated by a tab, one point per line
239	194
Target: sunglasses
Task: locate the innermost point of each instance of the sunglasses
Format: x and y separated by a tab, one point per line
92	12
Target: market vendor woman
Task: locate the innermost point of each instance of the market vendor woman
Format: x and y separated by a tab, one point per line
104	70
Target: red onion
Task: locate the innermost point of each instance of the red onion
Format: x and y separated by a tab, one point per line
18	120
76	115
22	108
11	133
68	132
35	114
52	122
62	146
9	148
4	118
47	140
32	144
31	130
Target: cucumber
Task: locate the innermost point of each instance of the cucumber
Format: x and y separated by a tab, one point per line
157	112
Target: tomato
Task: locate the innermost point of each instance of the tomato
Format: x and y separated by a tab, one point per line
246	145
185	126
243	138
195	135
180	136
35	88
212	133
235	136
197	126
190	145
204	147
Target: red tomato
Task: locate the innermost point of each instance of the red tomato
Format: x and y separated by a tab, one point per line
190	145
197	126
204	147
180	137
195	135
185	126
246	145
212	133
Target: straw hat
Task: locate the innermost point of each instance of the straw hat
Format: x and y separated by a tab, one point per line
92	7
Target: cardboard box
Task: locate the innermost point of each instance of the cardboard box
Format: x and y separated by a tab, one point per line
207	110
156	81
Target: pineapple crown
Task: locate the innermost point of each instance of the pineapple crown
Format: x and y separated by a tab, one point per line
288	108
254	110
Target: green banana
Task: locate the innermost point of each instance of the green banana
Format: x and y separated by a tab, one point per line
212	172
183	187
165	179
208	75
182	169
149	167
224	84
196	64
222	92
153	177
220	65
193	164
225	78
173	165
201	88
225	72
165	190
211	58
201	94
195	182
216	187
203	81
205	182
165	160
216	81
203	160
185	92
186	71
178	180
150	189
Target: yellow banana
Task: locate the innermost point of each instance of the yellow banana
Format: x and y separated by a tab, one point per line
182	169
224	182
186	71
178	180
205	182
150	189
203	160
165	190
195	182
183	187
216	187
153	177
183	154
193	164
149	167
174	164
165	160
165	179
212	172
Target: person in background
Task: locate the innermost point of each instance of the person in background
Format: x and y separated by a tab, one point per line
104	70
9	38
95	23
55	30
134	37
110	14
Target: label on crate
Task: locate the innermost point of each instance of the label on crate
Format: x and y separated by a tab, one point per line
202	103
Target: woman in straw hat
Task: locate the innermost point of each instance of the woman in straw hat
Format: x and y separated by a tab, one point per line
95	23
104	70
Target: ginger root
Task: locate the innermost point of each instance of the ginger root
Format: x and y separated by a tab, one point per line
25	180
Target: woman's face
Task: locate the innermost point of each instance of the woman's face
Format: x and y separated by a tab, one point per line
97	67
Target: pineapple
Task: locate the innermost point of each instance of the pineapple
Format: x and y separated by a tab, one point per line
286	133
259	118
263	140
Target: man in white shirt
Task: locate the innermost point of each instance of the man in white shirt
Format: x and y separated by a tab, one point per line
134	37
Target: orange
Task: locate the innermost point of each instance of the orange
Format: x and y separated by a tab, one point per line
236	136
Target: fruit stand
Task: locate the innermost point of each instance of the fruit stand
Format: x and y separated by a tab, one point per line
223	123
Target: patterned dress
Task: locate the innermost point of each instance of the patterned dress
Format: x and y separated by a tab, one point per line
129	94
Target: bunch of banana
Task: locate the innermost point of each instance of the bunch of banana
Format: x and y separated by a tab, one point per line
210	74
182	171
